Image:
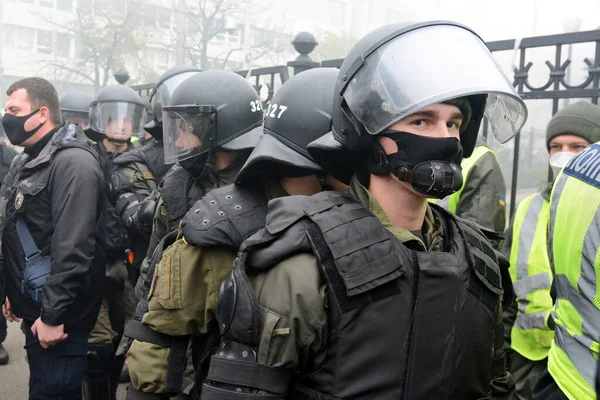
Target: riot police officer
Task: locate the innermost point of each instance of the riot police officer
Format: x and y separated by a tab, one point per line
74	107
202	163
139	171
279	165
116	114
375	293
210	125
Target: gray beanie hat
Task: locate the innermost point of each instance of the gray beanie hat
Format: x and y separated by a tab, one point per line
580	119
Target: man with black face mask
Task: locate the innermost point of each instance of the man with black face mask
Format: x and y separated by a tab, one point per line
53	198
375	293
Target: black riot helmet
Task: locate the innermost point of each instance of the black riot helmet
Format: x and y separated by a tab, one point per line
211	111
116	113
400	69
291	123
161	94
74	107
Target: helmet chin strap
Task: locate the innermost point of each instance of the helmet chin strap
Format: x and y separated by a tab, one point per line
437	178
120	142
323	182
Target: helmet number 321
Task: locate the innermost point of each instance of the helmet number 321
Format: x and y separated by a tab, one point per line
256	106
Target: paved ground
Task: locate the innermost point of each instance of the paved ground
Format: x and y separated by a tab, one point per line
15	375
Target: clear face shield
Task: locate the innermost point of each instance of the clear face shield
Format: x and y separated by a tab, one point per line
118	120
164	91
188	131
427	66
77	117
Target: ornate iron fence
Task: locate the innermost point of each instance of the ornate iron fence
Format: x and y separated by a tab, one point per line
267	80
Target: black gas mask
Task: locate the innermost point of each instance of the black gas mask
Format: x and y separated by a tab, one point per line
430	165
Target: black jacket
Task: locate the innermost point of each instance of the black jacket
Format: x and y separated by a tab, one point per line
112	232
62	196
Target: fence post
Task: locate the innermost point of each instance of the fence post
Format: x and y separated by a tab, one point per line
304	43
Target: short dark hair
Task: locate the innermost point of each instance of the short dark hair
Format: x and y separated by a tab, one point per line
40	93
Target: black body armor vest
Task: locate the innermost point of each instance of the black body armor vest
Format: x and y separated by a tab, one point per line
402	324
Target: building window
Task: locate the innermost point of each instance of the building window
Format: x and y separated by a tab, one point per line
193	26
44	42
64	5
261	37
163	59
63	45
234	34
84	6
47	3
147	14
24	38
8	36
164	18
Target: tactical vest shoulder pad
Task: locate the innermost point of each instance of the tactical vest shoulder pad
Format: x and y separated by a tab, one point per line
154	157
133	155
356	253
487	261
224	217
365	254
284	234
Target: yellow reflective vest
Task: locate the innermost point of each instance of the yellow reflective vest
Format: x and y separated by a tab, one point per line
531	275
574	243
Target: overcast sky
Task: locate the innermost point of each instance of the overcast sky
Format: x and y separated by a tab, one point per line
495	20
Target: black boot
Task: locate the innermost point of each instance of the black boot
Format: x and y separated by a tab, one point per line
96	381
3	355
115	375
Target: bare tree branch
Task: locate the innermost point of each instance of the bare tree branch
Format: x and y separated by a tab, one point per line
105	37
57	65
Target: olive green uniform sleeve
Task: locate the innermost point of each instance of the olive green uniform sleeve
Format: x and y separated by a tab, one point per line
292	297
142	183
182	301
484	195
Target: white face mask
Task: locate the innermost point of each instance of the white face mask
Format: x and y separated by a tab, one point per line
559	160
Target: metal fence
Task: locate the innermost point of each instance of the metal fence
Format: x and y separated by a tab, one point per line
267	80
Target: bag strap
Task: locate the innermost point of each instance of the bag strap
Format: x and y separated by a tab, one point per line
29	247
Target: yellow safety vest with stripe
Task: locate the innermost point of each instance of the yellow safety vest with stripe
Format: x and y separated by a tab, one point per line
574	242
531	275
450	203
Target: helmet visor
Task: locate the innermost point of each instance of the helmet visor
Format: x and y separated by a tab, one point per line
118	120
161	96
427	66
78	118
187	132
